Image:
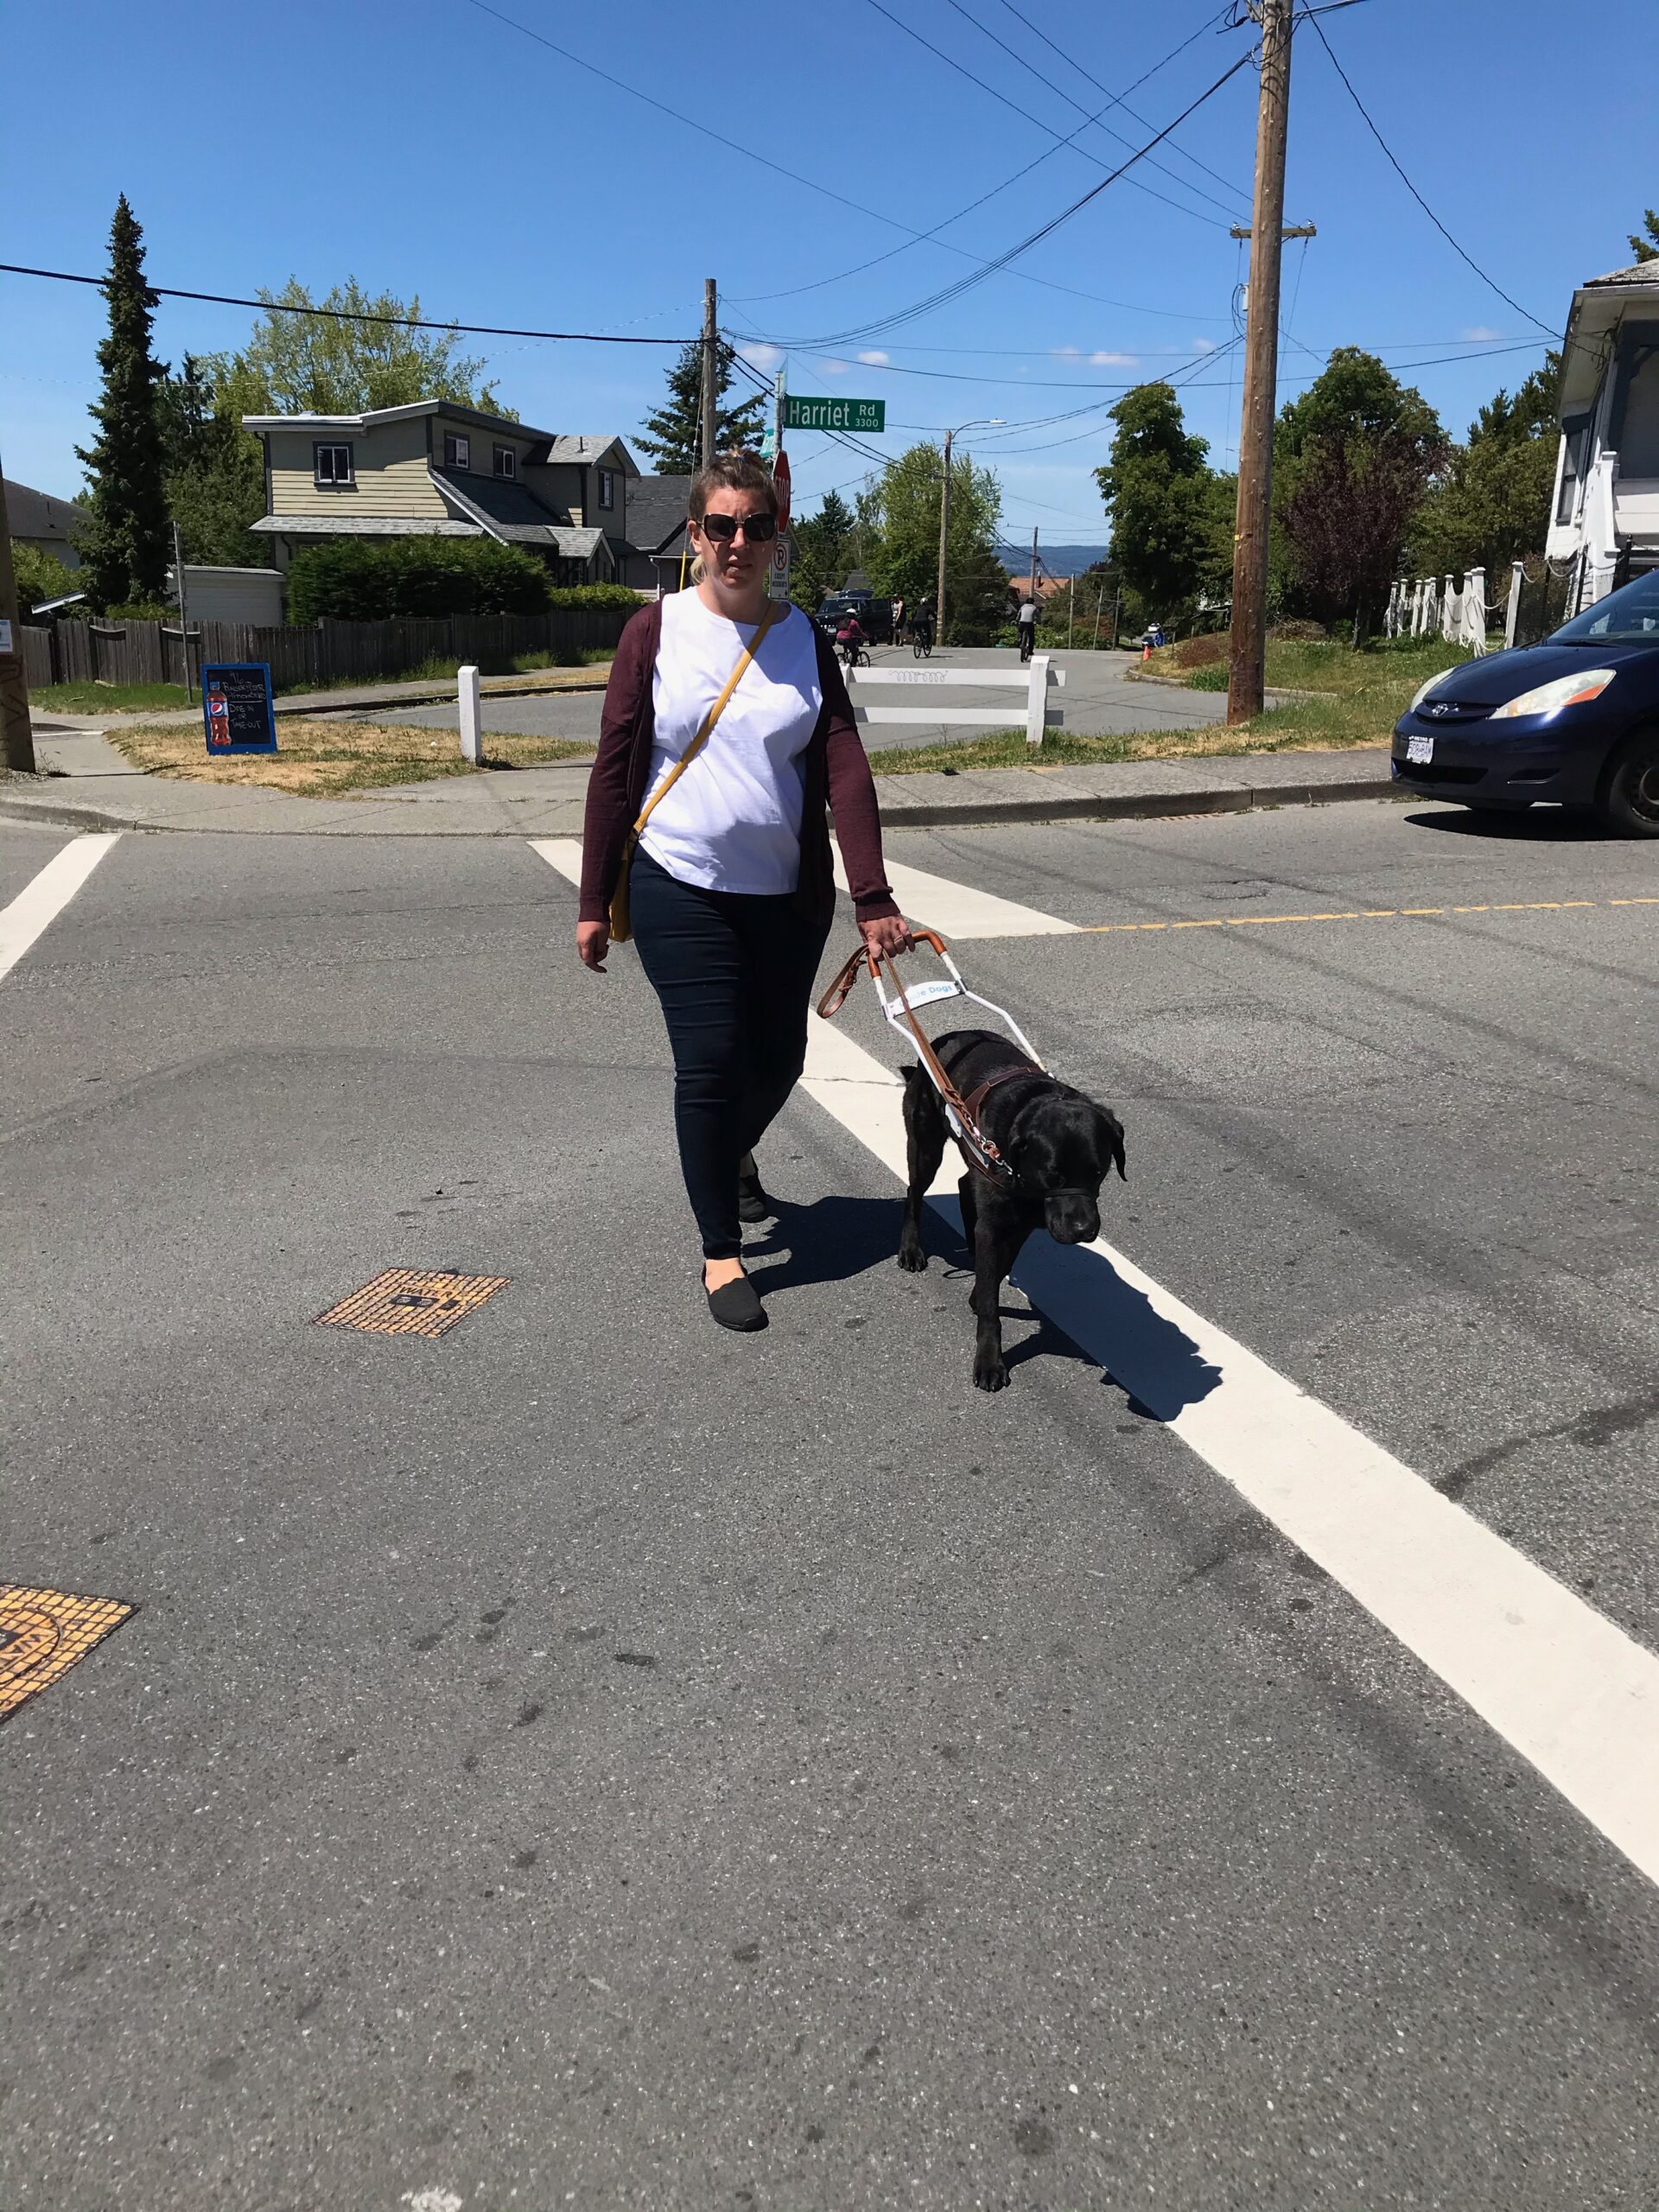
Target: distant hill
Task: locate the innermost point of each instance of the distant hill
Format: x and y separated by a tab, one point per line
1057	559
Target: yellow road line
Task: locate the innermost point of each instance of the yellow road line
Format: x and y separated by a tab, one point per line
1363	914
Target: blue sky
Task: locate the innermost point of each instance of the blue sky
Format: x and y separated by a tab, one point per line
432	147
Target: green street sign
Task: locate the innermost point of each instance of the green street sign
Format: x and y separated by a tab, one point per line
803	414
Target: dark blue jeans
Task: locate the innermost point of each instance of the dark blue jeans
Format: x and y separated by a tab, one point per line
734	976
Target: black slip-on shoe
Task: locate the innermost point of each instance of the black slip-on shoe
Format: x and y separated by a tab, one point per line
753	1204
736	1305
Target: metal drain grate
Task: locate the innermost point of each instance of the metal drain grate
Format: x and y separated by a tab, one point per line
43	1632
405	1302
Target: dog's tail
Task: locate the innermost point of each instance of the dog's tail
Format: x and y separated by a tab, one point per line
1115	1143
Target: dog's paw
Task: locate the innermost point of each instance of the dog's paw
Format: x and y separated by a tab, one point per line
912	1259
990	1374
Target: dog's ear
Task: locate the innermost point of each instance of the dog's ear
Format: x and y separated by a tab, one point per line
1112	1142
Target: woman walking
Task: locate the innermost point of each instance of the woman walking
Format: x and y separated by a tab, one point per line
728	882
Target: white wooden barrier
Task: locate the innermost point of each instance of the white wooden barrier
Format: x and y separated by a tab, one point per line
1034	681
471	740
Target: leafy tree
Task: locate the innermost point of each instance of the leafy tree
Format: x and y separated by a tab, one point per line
671	436
1491	505
40	577
1171	514
1353	457
1644	242
822	550
899	513
295	364
126	544
214	471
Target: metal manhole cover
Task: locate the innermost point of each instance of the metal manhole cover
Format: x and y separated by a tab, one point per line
405	1302
43	1632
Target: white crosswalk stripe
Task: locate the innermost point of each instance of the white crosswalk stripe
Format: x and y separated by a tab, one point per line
958	910
38	903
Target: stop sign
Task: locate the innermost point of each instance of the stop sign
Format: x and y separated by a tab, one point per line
781	485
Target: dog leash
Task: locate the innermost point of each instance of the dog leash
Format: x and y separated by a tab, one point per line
961	1114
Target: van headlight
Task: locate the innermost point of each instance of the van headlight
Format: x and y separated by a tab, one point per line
1550	698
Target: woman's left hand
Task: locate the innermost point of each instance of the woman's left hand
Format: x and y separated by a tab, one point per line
887	936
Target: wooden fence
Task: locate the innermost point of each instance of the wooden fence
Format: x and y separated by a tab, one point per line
315	659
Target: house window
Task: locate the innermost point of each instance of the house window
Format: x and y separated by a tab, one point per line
1576	432
506	462
457	450
606	488
333	465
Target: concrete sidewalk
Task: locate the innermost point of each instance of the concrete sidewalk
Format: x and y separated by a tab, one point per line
89	786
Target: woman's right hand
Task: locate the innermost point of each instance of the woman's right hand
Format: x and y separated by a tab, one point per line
593	943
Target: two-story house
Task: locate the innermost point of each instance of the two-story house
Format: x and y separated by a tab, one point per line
1605	518
434	469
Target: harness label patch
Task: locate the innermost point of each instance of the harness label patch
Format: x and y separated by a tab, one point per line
43	1632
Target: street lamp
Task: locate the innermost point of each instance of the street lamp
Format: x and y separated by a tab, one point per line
986	422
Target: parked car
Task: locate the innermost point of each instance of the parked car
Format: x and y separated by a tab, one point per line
1574	721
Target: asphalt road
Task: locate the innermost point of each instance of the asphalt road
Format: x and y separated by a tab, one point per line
590	1760
1099	698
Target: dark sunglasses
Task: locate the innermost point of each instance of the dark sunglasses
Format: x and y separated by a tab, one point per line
757	530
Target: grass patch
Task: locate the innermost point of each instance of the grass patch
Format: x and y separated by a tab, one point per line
1303	725
321	759
107	698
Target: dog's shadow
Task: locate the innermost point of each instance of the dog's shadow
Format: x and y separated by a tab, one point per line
1154	1363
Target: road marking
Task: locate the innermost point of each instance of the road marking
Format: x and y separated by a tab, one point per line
958	910
40	902
1560	1683
1354	915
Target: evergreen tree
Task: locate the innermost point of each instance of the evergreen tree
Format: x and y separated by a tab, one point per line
1644	242
671	436
214	471
1491	504
126	546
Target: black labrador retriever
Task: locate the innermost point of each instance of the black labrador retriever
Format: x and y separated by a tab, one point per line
1060	1146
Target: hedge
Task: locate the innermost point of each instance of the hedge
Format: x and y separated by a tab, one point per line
594	596
360	580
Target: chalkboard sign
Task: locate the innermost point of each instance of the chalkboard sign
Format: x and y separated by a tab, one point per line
237	707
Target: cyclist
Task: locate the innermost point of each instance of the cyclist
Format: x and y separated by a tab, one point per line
921	624
850	636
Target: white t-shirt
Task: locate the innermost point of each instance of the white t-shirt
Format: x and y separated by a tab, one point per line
1029	611
733	821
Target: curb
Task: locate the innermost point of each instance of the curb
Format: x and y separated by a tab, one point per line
1138	806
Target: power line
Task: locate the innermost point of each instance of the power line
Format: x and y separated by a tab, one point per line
1319	33
1024	113
1122	100
343	314
1023	245
933	237
1014	54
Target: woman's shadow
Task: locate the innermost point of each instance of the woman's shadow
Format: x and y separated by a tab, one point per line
1108	1323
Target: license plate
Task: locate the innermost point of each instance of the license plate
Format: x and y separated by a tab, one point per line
1420	749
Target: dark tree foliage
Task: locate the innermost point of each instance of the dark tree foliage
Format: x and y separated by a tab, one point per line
671	436
1644	242
823	553
214	471
1491	503
126	545
1171	514
360	580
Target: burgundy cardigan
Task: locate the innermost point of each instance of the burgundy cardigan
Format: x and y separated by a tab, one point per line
837	775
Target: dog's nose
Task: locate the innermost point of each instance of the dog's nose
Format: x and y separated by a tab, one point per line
1074	1224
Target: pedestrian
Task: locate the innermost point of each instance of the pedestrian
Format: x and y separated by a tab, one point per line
898	621
730	711
1027	624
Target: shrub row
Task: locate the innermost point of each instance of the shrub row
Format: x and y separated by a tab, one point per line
363	580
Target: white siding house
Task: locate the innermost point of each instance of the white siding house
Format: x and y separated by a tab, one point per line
1605	516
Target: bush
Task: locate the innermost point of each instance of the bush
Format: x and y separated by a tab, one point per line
39	578
1198	652
1296	632
360	580
596	596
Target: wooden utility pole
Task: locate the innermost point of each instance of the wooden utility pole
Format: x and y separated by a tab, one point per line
1249	641
710	366
944	530
16	738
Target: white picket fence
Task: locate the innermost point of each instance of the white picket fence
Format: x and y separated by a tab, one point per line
1036	680
1420	606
